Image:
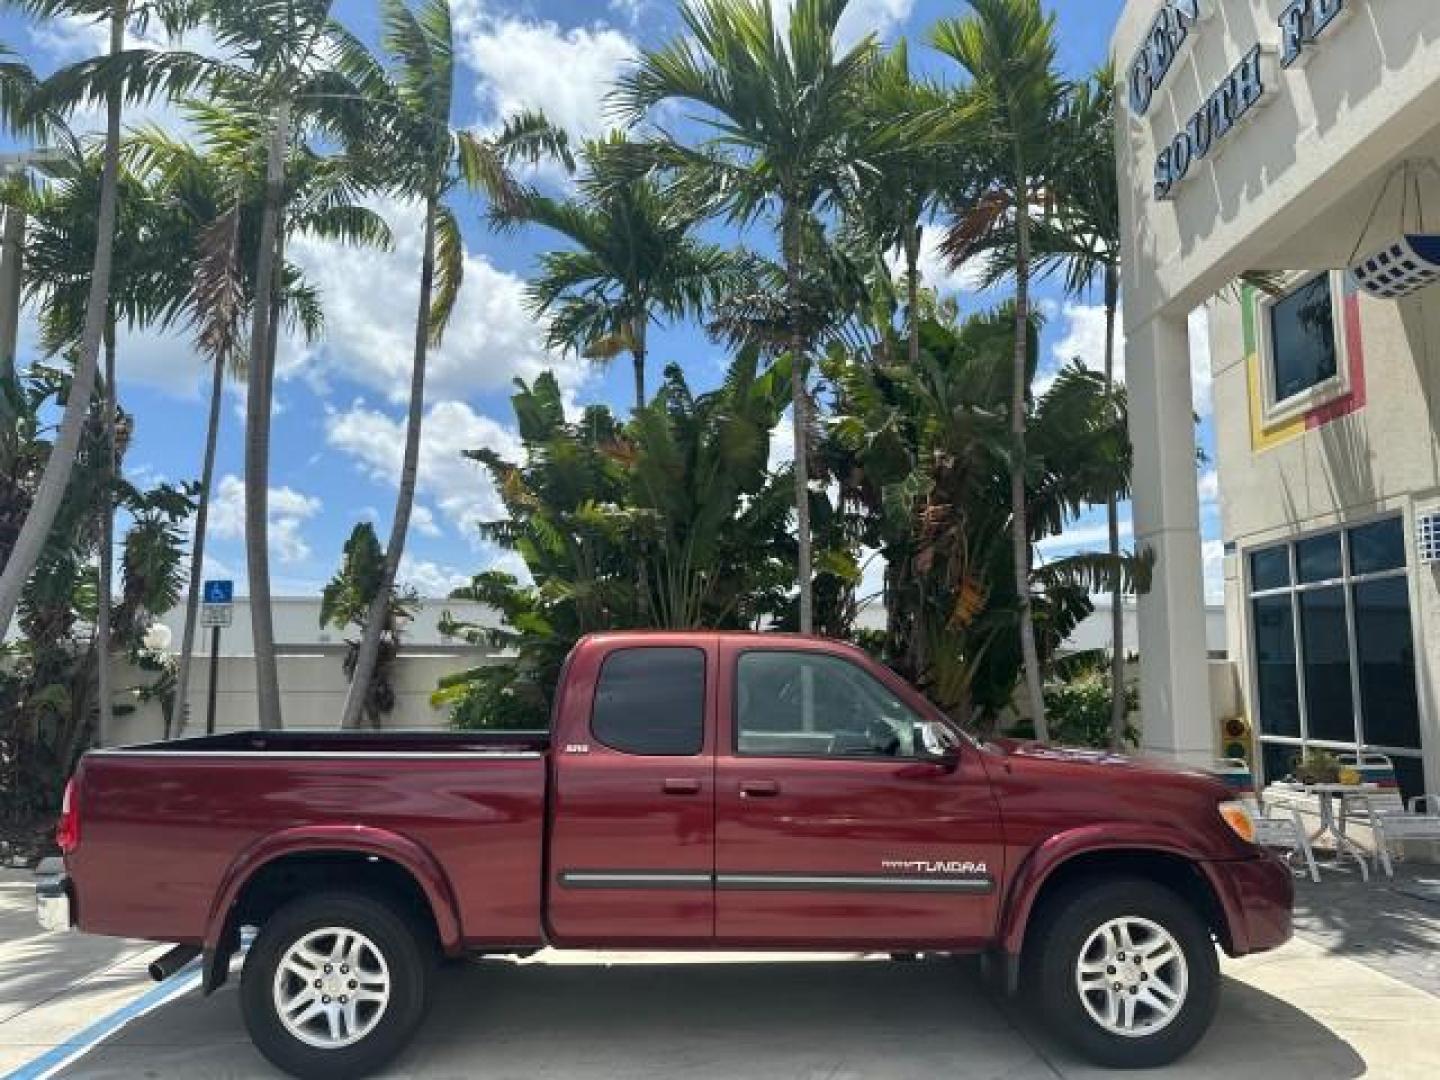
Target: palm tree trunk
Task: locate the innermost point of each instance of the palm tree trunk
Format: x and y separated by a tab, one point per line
799	402
1119	706
638	352
1019	524
257	429
56	479
197	550
912	285
105	715
378	616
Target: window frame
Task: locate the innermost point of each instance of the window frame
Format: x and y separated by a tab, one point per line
700	750
921	716
1279	410
1347	581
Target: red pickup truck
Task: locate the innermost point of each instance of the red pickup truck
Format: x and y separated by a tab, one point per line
697	791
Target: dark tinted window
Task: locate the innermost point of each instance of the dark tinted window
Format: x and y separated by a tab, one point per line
1386	650
1270	569
1377	547
1329	706
797	704
1278	760
1318	559
651	701
1275	666
1302	339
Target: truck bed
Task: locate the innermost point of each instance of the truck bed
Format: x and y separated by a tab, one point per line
167	826
351	742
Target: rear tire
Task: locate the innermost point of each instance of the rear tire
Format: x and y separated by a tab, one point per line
1125	971
334	985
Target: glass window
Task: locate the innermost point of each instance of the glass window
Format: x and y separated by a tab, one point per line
1329	706
1410	774
797	704
1270	569
1278	760
1386	652
651	701
1378	547
1356	683
1318	559
1275	666
1302	339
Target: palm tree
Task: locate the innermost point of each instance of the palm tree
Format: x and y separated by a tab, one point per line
912	177
349	600
635	260
1014	103
212	197
427	158
281	66
782	107
1084	240
121	75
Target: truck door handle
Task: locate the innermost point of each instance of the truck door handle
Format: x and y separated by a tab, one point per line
681	787
759	789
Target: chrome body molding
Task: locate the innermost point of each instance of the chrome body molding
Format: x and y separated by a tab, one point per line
785	882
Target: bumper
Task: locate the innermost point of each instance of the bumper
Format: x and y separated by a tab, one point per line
1258	897
53	907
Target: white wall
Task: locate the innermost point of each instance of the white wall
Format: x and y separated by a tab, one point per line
312	695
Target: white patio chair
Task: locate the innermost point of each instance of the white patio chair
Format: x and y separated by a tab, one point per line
1385	810
1274	827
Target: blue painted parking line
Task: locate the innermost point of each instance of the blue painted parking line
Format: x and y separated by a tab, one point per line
77	1046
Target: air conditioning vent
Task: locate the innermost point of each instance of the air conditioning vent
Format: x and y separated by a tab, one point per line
1427	535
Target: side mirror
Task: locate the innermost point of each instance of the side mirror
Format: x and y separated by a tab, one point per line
937	744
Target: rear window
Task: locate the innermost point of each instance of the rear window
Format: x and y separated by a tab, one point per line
651	701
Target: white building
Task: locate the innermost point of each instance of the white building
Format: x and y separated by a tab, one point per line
1298	138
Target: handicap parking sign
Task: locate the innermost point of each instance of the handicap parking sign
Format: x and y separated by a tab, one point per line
219	592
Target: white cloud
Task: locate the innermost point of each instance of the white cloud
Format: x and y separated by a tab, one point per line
1084	537
629	10
461	488
880	17
370	299
1200	362
538	64
422	520
430	579
1209	486
161	360
288	510
782	442
1083	338
1213	552
935	270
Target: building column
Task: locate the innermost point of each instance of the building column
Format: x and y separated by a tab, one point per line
1174	664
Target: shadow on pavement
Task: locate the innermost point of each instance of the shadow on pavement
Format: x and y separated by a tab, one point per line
880	1020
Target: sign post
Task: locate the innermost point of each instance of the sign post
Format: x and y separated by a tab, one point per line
216	611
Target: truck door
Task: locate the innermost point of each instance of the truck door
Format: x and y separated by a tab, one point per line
831	831
632	842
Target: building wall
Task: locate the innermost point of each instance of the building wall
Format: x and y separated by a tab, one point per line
1380	457
312	695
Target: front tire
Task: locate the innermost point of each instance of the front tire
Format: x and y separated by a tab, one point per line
334	986
1126	972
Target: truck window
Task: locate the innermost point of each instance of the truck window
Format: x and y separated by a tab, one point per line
797	704
651	701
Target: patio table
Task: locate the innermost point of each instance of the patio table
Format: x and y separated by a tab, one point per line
1326	795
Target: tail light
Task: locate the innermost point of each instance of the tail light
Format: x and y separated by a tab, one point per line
67	829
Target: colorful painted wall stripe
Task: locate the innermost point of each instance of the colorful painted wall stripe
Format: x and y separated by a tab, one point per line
1265	437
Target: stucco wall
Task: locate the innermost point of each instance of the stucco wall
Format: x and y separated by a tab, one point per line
1381	458
312	694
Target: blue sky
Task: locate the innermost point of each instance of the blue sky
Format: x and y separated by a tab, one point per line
339	422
